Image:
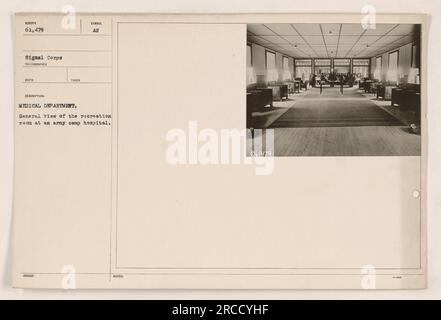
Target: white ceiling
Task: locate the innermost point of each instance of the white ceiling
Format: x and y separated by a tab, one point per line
330	40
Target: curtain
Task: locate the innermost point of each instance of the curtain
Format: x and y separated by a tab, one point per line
271	70
251	75
392	73
286	73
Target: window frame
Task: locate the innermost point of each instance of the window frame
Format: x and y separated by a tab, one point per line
367	65
266	58
283	63
398	58
341	59
321	66
310	65
266	64
381	63
251	53
287	70
398	64
414	56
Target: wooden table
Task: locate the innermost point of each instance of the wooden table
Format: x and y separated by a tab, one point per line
297	85
258	100
385	91
406	98
293	86
280	91
370	86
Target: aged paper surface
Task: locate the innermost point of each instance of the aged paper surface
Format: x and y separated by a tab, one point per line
114	189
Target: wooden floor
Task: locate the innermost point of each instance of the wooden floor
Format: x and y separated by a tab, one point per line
346	141
375	140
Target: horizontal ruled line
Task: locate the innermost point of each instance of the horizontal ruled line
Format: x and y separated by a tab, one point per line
224	274
70	82
255	268
66	34
64	50
42	66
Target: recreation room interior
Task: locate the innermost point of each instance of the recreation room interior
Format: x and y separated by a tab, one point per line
335	89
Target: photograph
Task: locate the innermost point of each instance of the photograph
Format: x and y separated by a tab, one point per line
334	89
219	159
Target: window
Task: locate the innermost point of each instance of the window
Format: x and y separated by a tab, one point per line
303	68
249	56
414	56
271	70
377	72
342	65
322	66
414	70
286	73
251	75
360	67
392	73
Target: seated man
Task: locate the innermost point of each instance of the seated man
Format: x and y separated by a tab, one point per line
313	80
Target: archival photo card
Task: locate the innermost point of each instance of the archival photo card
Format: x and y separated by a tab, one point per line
220	151
334	89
